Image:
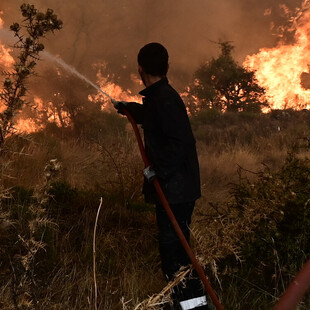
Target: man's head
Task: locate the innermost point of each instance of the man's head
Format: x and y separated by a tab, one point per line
153	60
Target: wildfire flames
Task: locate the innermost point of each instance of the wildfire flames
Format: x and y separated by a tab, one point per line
25	124
284	70
6	60
115	91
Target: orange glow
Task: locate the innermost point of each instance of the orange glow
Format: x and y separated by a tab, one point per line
6	60
267	12
47	113
115	91
27	126
280	70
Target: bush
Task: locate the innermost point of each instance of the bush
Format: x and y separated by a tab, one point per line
275	243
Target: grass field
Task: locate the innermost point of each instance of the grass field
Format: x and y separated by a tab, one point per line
48	212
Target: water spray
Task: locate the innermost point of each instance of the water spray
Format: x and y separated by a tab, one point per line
8	37
73	71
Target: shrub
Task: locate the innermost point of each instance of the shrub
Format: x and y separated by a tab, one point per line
275	242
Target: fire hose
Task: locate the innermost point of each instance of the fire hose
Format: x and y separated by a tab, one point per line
172	218
294	293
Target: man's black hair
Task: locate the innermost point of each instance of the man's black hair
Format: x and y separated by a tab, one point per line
153	58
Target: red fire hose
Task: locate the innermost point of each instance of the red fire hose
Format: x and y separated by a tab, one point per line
294	293
175	224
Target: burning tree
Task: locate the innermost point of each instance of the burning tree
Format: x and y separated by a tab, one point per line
222	84
283	70
29	34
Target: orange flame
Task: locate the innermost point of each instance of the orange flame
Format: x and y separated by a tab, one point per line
46	112
115	91
6	60
27	125
284	70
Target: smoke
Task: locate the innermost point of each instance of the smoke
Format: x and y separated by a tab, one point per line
112	32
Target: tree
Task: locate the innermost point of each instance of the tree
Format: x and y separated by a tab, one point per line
29	34
222	84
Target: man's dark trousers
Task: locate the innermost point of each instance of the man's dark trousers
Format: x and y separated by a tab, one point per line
173	255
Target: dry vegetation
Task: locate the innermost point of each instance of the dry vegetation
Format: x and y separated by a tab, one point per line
47	213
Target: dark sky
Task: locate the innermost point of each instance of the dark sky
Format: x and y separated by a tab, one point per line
112	31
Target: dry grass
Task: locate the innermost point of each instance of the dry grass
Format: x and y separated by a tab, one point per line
128	266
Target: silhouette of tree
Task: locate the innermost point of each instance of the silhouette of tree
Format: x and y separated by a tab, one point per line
29	34
222	84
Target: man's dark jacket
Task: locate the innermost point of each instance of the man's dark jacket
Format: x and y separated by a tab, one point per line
169	143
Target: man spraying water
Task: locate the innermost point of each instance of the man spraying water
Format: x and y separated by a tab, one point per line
171	149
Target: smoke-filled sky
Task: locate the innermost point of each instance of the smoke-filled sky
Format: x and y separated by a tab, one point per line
112	31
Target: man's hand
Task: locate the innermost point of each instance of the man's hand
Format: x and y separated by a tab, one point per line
149	173
119	106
